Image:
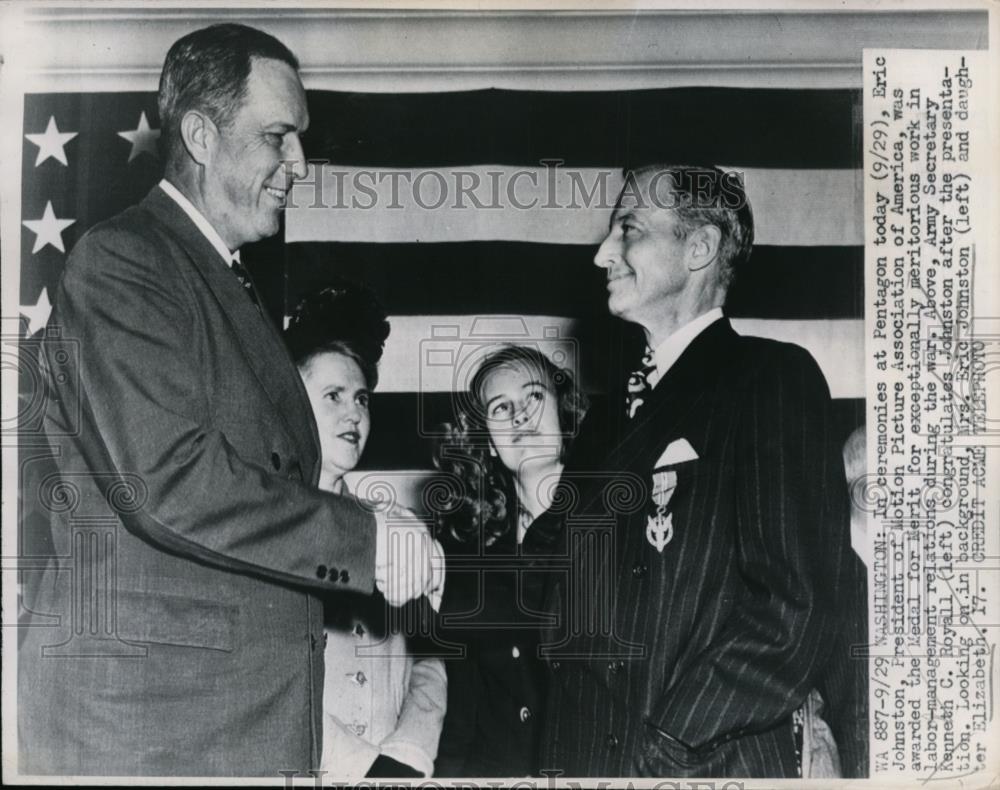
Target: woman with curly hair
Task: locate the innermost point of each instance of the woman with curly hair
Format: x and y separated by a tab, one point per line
382	708
503	457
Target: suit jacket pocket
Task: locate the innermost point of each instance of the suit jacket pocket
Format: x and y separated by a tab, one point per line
257	442
168	619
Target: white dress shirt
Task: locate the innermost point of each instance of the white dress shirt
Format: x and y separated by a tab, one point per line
669	351
202	224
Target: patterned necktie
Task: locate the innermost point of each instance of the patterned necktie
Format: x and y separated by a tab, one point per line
638	384
244	277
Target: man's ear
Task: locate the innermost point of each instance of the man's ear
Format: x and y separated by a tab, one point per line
703	247
199	134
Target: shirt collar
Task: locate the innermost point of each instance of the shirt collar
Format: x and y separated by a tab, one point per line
201	223
669	351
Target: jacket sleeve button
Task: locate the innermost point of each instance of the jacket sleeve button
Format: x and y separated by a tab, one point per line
321	572
345	576
524	713
333	575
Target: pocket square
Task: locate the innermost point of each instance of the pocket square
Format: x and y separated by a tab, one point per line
677	452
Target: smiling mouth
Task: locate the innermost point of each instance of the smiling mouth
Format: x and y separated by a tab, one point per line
619	276
277	194
352	437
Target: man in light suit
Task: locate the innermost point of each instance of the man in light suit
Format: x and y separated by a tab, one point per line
707	539
178	628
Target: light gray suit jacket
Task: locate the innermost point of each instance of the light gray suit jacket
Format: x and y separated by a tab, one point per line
176	627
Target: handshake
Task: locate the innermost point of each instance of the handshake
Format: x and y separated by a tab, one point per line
408	561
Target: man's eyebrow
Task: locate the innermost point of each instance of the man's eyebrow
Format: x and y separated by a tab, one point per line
620	214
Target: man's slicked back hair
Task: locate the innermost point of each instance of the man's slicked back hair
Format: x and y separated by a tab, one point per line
207	70
703	195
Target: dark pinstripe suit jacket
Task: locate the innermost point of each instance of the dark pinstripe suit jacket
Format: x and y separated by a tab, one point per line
717	638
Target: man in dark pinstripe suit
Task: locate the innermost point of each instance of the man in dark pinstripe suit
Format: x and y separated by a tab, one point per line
706	541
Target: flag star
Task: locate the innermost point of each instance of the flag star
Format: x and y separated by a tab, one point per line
50	143
48	229
38	313
143	138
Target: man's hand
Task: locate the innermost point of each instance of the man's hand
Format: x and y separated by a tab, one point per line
408	561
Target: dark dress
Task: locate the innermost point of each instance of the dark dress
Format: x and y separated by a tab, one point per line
491	607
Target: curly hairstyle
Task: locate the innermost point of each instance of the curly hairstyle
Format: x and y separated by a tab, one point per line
478	501
346	318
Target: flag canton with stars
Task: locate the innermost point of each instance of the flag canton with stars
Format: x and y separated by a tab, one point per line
86	157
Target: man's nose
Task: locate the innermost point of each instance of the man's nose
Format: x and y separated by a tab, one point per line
295	157
606	252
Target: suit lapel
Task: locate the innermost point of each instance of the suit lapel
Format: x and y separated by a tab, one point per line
660	419
666	410
262	345
678	393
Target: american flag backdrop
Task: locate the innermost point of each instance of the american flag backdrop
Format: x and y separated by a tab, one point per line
455	279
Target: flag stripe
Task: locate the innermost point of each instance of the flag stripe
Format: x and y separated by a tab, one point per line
436	353
404	427
797	128
448	276
540	279
552	205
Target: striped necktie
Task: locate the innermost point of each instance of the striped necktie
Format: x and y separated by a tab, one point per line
638	384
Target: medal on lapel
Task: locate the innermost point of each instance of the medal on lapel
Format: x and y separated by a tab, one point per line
660	525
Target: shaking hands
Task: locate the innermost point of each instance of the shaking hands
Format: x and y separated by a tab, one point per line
408	561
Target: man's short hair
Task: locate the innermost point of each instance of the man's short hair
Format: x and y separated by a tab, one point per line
704	195
207	70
